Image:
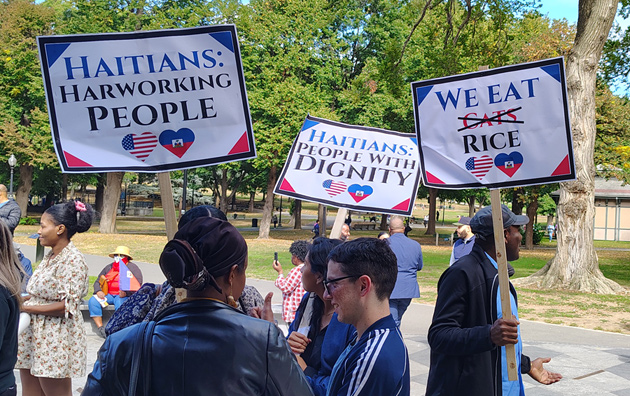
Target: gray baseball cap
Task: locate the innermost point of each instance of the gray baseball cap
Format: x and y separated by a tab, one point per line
464	220
481	223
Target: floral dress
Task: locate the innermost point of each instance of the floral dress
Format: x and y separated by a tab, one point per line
55	347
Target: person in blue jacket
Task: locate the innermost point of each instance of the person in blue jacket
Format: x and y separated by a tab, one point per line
316	336
361	277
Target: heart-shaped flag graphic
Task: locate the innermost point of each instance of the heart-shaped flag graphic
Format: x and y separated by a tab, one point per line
509	163
177	142
141	145
479	166
359	192
333	187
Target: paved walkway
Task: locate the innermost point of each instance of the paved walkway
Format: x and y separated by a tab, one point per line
592	362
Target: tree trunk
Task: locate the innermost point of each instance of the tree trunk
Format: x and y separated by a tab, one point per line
575	265
265	222
432	203
517	202
223	205
100	193
471	206
297	215
64	186
110	203
24	187
321	215
529	229
383	226
252	197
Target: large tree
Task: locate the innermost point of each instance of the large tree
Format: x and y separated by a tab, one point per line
575	264
24	128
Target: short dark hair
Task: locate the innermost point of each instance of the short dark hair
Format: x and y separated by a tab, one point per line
300	249
318	254
372	257
72	218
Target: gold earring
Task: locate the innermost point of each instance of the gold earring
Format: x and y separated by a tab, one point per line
230	299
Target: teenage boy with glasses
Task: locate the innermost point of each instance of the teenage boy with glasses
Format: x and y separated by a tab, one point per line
361	277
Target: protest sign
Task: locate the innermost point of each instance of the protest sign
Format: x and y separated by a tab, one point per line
503	127
147	101
353	167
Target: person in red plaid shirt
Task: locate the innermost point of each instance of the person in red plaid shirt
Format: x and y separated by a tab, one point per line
291	286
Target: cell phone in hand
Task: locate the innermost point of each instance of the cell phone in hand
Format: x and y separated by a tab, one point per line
275	256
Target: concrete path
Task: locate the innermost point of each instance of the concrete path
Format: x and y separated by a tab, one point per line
592	362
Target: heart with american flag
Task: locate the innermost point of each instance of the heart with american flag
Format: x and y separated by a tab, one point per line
333	187
140	146
479	166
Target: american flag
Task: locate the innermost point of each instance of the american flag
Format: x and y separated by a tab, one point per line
140	145
334	187
479	166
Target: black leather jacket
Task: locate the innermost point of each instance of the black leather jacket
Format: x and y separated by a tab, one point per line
202	347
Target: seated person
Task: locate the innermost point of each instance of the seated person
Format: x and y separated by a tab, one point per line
112	288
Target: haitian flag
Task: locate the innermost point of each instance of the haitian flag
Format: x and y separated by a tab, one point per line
127	282
177	142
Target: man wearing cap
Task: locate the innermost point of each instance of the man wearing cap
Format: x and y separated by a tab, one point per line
466	240
468	334
113	285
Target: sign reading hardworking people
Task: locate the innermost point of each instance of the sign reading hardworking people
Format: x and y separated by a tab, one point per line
353	167
147	101
503	127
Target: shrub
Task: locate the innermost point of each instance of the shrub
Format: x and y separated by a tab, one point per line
539	234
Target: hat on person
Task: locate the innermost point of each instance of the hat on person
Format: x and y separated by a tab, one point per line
463	220
481	224
122	251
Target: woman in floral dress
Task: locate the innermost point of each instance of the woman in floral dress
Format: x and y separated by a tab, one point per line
52	350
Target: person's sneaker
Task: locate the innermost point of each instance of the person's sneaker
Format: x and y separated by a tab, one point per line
101	332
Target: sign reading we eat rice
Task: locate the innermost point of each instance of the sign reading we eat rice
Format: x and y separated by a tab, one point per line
503	127
147	101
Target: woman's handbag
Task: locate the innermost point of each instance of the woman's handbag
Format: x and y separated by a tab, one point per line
102	282
141	354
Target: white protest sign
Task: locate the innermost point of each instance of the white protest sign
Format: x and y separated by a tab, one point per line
353	167
147	101
502	127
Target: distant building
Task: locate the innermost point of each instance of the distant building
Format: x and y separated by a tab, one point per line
612	210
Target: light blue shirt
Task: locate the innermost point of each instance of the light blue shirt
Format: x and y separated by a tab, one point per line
510	388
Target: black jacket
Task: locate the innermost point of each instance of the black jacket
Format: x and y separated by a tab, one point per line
464	361
202	347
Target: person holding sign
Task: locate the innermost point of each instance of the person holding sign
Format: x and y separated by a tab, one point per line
113	285
468	334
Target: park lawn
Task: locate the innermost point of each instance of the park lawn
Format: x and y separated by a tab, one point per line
602	312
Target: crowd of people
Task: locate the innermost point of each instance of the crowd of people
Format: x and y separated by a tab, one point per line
343	300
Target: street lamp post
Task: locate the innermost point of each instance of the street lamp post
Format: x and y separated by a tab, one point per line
12	162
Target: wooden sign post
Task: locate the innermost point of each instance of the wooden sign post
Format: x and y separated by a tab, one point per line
504	281
166	193
335	233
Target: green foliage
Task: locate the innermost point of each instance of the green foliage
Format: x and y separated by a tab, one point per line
24	127
546	205
28	221
539	234
615	61
612	142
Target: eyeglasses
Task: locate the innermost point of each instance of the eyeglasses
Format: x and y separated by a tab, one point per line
329	289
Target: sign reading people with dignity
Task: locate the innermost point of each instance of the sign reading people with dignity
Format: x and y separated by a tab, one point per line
147	101
496	128
353	167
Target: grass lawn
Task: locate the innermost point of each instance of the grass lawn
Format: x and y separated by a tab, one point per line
602	312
